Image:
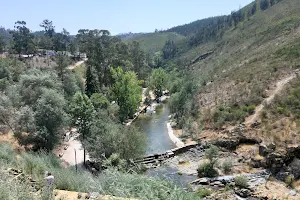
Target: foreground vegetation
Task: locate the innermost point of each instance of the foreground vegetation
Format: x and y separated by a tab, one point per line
111	182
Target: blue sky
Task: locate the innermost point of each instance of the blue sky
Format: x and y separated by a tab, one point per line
117	16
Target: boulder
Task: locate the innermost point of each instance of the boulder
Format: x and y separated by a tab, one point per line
293	193
181	161
258	162
201	181
272	146
295	168
282	175
263	150
94	195
217	184
244	193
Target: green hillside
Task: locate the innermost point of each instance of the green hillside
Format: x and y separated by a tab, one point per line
248	59
153	42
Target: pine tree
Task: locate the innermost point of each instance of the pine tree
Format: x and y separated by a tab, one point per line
253	9
264	4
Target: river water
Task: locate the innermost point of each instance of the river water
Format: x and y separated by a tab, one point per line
155	127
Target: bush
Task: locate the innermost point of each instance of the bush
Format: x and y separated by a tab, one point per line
290	181
203	192
7	154
241	181
207	170
230	114
212	154
227	166
251	109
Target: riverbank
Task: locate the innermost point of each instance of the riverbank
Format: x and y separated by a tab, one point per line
172	136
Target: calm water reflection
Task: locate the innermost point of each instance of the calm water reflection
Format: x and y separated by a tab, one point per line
155	127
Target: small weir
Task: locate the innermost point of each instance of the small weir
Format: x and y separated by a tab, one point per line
160	147
155	127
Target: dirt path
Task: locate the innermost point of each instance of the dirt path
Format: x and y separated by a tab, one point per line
279	86
73	145
69	195
71	67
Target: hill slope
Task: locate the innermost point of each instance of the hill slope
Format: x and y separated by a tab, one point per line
248	62
153	42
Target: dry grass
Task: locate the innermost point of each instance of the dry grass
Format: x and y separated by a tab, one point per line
10	139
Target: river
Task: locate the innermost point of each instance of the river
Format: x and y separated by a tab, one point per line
155	127
158	141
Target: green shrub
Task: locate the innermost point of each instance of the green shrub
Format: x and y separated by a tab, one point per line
230	114
206	169
203	192
227	166
12	188
7	153
289	181
251	109
212	154
241	181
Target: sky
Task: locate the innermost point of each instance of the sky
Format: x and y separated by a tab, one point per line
117	16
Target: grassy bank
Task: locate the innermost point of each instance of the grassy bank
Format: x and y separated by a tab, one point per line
110	182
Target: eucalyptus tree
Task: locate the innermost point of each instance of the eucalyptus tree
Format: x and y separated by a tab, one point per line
22	38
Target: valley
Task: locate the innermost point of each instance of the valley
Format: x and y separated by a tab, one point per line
204	110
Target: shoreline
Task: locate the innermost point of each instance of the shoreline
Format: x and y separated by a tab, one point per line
174	139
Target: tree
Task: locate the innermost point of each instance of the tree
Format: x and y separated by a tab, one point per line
91	83
99	101
62	64
22	39
169	50
61	40
7	112
34	82
253	8
138	60
25	121
126	91
158	81
2	43
41	126
73	47
81	109
272	2
109	138
264	4
48	27
50	118
206	169
71	84
45	42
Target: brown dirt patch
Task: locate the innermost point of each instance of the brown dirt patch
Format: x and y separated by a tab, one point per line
275	190
10	139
